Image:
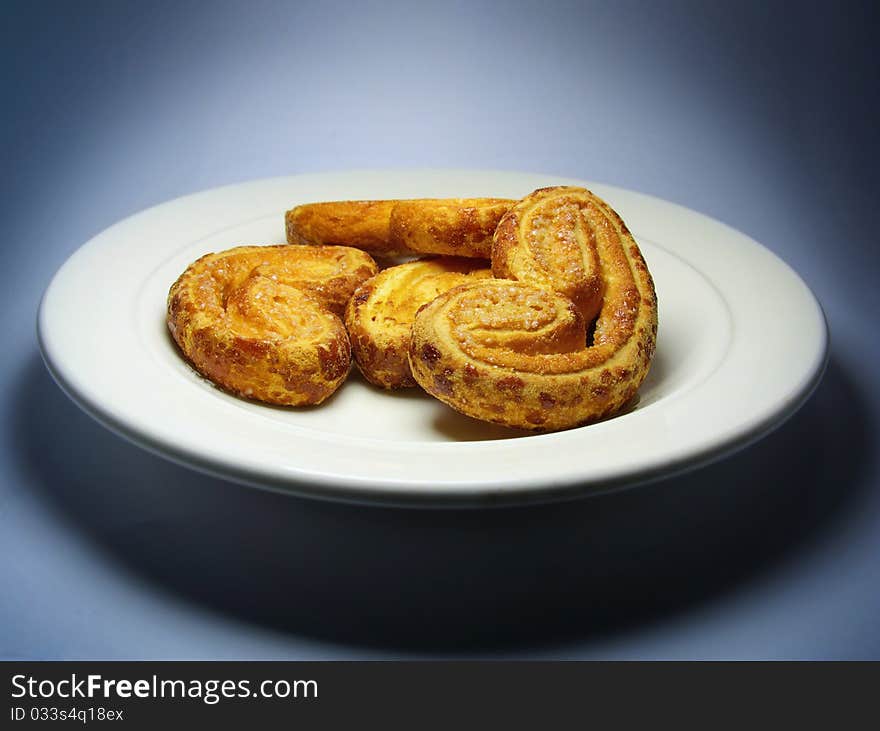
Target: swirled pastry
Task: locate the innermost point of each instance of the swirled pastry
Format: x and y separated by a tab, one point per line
545	246
518	352
263	322
388	228
379	316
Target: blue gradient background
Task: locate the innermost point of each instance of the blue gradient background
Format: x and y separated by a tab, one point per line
763	116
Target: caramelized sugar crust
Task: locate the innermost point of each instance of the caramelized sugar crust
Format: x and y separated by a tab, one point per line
263	322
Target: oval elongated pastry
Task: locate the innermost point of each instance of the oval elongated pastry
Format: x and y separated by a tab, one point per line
361	224
449	226
380	315
389	228
518	352
263	322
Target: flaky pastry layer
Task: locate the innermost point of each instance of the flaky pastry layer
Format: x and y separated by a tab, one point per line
379	316
518	351
263	322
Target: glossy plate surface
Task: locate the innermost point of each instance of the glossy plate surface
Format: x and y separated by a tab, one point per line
742	342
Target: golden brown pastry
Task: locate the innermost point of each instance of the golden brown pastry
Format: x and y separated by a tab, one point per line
379	316
361	224
450	226
518	354
264	321
388	228
544	247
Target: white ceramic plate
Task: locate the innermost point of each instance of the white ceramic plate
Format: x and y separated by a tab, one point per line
741	344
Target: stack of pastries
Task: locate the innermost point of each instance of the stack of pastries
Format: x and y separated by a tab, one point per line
538	314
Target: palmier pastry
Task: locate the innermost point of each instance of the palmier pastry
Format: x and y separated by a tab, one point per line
521	354
379	316
263	322
389	228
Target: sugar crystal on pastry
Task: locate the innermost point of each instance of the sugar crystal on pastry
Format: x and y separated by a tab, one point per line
263	321
562	257
379	316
